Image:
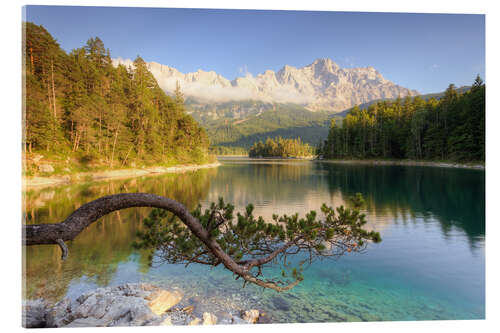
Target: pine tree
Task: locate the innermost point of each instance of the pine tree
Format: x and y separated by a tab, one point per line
79	103
449	129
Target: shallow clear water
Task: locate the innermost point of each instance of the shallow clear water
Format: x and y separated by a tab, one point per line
430	264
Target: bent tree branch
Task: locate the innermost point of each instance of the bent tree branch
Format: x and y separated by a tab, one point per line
213	239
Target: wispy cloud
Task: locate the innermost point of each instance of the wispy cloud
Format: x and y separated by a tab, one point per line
244	71
209	88
348	62
434	67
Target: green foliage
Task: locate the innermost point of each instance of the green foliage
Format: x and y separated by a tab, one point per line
262	121
452	128
79	104
224	150
357	200
280	147
245	237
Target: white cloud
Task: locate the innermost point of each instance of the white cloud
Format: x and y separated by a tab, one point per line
434	67
222	90
121	61
244	71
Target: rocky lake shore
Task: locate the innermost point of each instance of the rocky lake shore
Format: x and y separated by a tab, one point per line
131	304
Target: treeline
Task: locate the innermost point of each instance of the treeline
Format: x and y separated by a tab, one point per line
280	147
287	121
224	150
80	105
451	128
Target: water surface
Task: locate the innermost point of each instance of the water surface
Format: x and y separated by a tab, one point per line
430	264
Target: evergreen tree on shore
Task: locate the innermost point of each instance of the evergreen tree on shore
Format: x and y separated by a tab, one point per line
279	147
451	128
80	104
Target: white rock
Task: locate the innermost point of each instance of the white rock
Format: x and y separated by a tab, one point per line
164	300
251	316
125	305
209	319
195	321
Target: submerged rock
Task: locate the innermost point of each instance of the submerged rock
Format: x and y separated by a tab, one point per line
280	303
264	319
238	321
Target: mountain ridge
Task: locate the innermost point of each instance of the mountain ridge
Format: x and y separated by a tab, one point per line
322	85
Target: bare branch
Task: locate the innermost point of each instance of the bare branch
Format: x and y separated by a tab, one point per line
265	244
258	262
64	248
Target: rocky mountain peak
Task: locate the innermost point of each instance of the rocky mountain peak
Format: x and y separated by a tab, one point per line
321	85
325	65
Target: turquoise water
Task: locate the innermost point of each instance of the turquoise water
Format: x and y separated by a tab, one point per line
430	264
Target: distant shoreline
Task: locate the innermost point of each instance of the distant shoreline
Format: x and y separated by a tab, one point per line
281	158
408	163
232	155
38	182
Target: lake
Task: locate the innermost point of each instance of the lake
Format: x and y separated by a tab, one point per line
430	264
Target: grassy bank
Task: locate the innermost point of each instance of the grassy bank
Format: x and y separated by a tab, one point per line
56	169
39	181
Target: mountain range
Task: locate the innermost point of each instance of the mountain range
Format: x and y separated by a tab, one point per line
292	102
319	86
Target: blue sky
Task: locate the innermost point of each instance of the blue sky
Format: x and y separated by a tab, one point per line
425	52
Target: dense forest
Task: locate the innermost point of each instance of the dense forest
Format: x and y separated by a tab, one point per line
280	147
223	150
80	107
287	121
449	129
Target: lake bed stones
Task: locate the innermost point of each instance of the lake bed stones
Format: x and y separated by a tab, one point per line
280	303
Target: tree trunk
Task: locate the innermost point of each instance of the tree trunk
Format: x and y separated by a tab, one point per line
32	60
48	89
77	141
113	151
53	88
126	156
57	233
100	133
